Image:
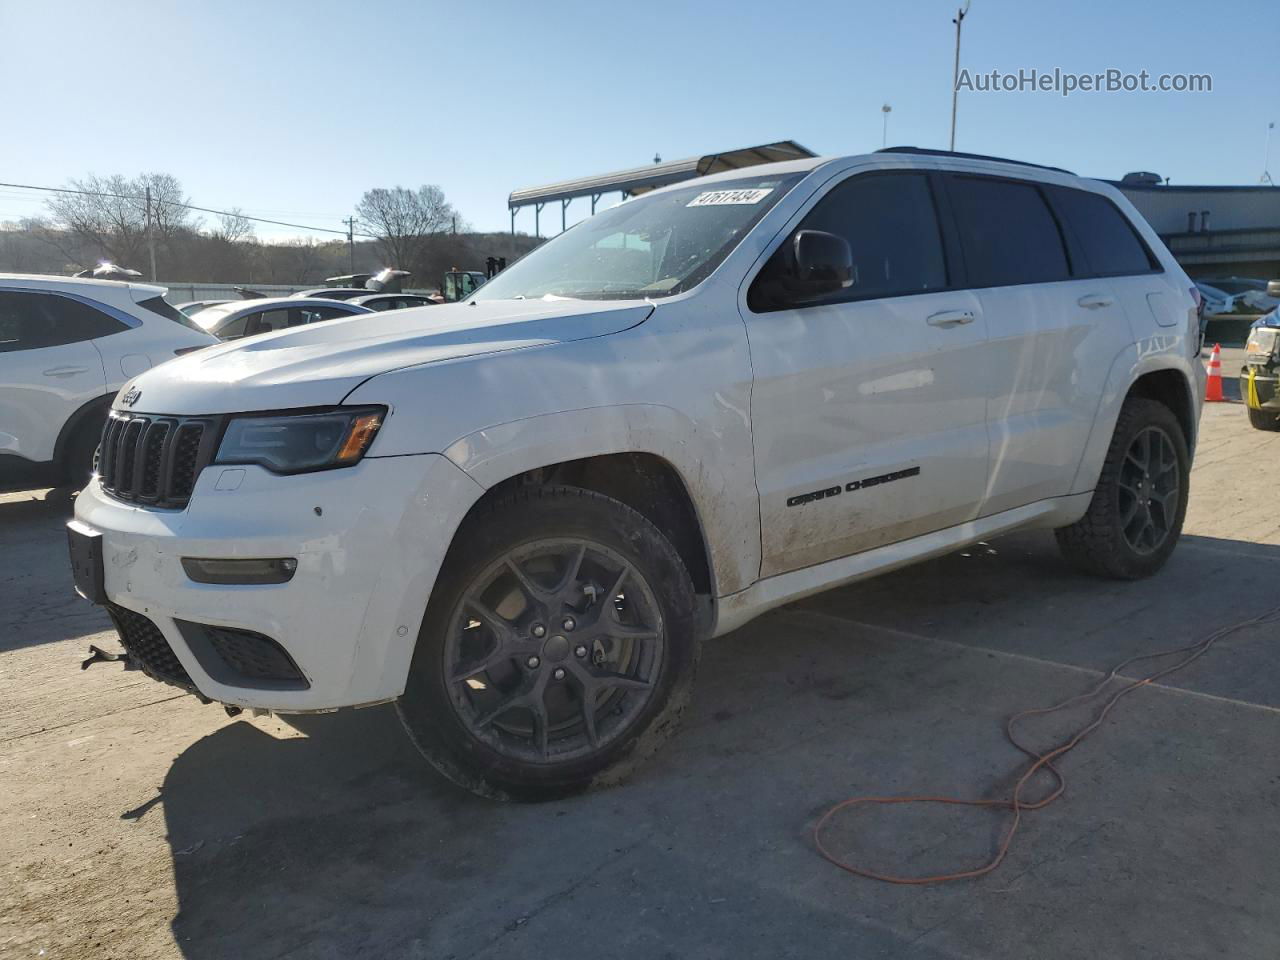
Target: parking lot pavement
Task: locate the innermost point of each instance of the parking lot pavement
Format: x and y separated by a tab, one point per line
140	824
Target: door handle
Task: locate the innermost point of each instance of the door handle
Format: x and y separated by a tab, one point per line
1095	301
950	318
65	371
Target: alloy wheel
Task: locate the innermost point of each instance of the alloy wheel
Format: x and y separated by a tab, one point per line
554	651
1148	488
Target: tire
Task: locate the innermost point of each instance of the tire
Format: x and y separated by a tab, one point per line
576	719
1102	541
82	448
1264	420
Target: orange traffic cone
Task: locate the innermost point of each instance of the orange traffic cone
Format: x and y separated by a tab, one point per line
1213	386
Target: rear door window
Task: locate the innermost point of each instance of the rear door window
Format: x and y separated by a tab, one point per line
29	321
1111	246
1007	232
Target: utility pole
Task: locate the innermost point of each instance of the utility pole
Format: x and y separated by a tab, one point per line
351	244
955	75
1266	156
884	134
151	237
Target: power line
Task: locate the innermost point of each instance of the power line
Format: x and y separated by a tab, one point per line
188	206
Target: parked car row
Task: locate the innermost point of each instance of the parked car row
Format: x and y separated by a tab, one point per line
67	346
70	343
247	318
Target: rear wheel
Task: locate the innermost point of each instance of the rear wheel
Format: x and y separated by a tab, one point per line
1135	517
1264	420
558	648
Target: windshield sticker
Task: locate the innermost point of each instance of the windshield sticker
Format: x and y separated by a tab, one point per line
720	198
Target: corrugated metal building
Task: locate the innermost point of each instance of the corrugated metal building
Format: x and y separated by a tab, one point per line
1214	231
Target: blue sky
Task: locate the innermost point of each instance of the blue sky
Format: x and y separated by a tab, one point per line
291	109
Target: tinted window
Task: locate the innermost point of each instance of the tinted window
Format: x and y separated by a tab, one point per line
1110	244
32	320
316	314
1007	232
892	227
236	328
266	321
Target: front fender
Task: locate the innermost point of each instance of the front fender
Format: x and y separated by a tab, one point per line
723	495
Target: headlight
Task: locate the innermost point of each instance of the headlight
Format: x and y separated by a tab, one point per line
299	442
1261	343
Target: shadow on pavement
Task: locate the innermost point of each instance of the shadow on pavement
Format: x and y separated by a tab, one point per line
345	843
37	601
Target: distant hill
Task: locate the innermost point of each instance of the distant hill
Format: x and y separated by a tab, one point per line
200	258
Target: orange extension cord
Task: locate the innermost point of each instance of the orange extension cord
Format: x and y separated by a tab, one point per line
1016	804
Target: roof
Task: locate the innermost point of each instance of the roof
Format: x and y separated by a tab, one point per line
140	290
229	307
640	179
930	152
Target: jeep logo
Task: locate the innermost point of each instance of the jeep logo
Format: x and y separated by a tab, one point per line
131	397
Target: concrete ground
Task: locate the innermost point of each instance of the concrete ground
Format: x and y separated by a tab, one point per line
137	823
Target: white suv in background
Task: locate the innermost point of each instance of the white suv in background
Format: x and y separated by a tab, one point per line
519	515
67	345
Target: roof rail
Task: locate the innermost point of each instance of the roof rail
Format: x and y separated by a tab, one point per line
927	152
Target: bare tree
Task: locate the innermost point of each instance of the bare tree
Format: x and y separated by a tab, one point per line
108	215
404	221
233	227
169	210
305	257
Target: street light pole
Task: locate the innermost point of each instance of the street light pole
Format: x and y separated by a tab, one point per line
1266	156
884	133
955	75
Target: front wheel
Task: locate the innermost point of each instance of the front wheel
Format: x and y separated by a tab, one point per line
558	648
81	456
1264	420
1135	517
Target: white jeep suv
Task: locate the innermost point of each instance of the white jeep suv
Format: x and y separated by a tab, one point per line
519	515
66	347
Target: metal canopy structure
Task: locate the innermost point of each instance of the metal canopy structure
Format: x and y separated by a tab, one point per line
642	179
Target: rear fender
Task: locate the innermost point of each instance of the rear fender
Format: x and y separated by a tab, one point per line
1131	364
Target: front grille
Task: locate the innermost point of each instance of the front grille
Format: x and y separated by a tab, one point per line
148	648
152	459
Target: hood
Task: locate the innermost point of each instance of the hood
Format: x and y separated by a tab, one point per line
319	364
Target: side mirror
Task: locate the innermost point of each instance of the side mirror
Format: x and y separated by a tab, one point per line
1273	288
823	264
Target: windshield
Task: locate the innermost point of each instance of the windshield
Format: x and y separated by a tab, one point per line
210	317
653	246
